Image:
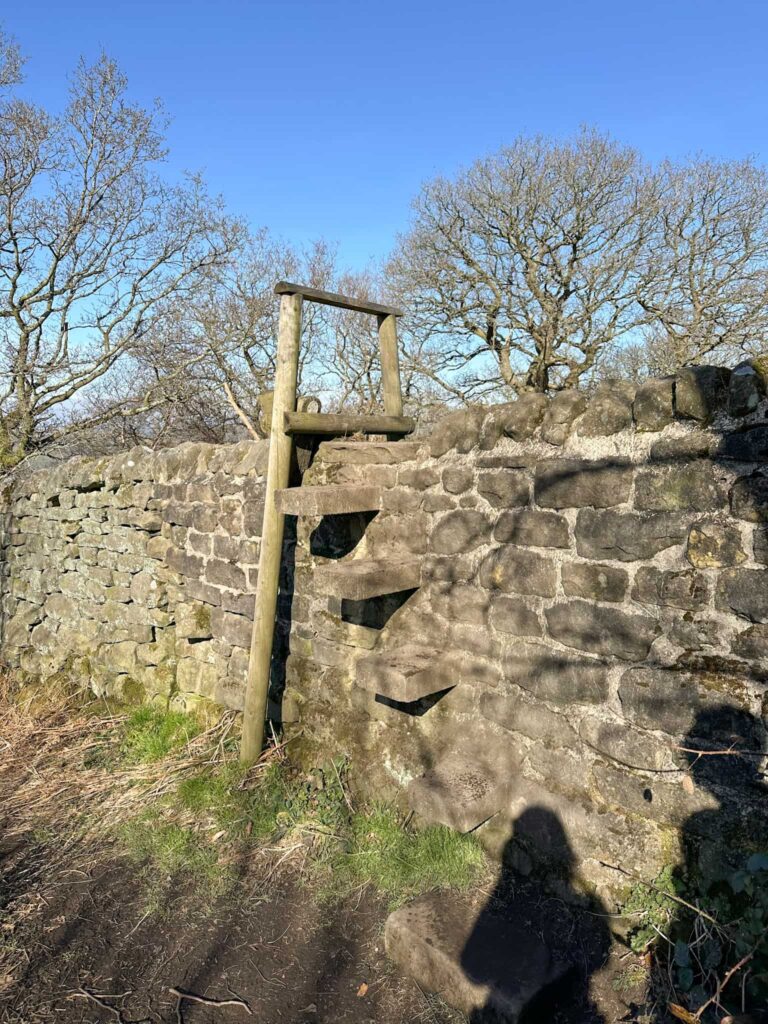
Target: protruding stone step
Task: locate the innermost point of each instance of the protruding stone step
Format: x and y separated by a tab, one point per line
489	962
328	500
368	453
460	793
408	673
360	579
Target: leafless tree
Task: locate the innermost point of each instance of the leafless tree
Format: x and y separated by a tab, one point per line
96	250
705	282
530	258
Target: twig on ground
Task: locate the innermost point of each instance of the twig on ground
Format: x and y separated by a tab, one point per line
192	997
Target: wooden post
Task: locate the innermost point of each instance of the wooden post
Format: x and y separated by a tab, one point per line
278	469
390	365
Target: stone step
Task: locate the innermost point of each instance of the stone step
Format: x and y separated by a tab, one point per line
359	579
489	962
459	792
328	500
368	453
408	673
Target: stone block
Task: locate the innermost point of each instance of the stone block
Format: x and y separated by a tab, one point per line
515	616
529	717
464	789
193	676
504	488
749	498
234	629
626	536
460	531
186	565
687	589
576	483
752	643
560	415
532	529
671	802
599	630
653	405
692	486
419	478
225	574
556	676
745	391
760	545
457	479
714	545
744	592
596	582
462	603
701	392
609	411
518	571
673	701
460	430
745	446
193	621
631	747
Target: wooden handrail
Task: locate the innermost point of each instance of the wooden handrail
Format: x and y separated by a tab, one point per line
332	299
339	425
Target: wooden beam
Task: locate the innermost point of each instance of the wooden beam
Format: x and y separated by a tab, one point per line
278	469
340	425
332	299
390	366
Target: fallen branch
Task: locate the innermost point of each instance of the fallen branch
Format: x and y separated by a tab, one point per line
206	1001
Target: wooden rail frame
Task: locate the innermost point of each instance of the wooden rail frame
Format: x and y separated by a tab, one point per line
292	297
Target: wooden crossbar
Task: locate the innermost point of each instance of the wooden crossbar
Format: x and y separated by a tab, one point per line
332	299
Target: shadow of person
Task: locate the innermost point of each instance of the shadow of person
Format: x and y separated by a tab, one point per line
724	749
535	952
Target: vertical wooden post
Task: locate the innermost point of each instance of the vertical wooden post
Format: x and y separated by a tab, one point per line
390	365
278	468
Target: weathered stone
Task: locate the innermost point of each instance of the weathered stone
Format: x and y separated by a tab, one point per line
746	390
461	531
746	446
225	574
462	791
460	430
600	630
597	582
752	643
518	420
334	499
609	411
193	621
685	589
627	537
532	529
672	700
235	629
418	477
529	717
691	486
628	746
701	392
744	592
457	479
361	579
760	544
653	405
181	562
515	616
714	545
574	483
666	801
560	415
198	677
518	571
463	603
481	962
413	671
556	676
504	488
749	498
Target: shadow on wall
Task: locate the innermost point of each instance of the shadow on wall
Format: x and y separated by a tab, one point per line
525	941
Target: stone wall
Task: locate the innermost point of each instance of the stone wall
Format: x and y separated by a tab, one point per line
593	599
137	572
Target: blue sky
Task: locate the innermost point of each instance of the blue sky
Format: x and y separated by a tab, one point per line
322	119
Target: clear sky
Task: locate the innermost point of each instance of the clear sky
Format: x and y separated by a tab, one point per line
323	118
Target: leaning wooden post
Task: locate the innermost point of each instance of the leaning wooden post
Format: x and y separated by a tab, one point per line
390	365
278	469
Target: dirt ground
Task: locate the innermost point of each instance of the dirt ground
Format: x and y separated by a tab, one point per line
79	944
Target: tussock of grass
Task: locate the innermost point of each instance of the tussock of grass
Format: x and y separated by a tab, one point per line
151	733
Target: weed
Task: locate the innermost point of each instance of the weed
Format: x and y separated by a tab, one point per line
150	734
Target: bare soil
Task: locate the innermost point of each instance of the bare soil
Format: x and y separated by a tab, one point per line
79	944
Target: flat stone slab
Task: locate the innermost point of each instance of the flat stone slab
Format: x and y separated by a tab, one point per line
361	578
368	453
459	793
478	960
328	500
407	674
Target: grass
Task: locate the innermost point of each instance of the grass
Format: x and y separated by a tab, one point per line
151	733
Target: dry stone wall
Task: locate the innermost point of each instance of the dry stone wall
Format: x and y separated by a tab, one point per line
593	603
137	572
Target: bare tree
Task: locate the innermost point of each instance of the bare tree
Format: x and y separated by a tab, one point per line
530	257
95	250
705	283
